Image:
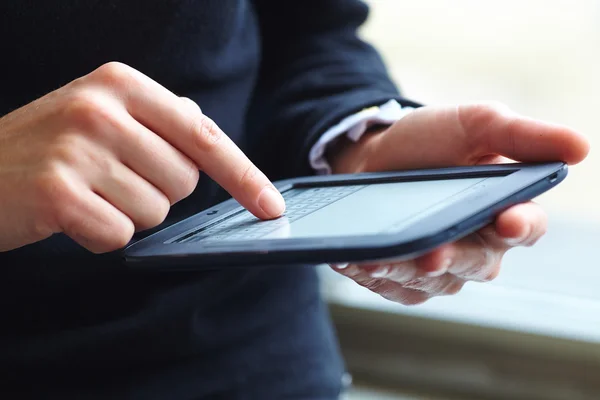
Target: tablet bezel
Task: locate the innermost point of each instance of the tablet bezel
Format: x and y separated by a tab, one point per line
522	182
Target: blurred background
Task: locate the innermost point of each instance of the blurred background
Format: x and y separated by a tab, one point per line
534	333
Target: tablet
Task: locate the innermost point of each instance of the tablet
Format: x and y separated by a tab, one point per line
348	218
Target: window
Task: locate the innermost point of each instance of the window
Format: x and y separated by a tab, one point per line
541	57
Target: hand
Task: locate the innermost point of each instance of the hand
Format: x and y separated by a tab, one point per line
433	137
108	154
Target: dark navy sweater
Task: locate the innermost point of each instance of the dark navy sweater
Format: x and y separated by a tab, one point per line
274	75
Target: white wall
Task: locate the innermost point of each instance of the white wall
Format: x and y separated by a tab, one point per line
542	57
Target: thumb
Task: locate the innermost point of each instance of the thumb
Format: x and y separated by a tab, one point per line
435	137
428	137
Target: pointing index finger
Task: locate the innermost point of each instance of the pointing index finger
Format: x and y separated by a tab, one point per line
186	128
217	155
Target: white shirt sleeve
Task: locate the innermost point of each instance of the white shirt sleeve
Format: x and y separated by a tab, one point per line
354	127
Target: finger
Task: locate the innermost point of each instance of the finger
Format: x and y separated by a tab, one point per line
191	103
90	220
387	289
444	285
433	264
155	160
521	225
475	258
396	292
196	135
427	274
105	228
497	130
143	203
478	256
432	137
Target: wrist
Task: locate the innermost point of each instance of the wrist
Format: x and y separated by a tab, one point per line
346	156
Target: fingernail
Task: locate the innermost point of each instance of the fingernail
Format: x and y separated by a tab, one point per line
340	266
442	270
271	202
380	272
402	273
519	240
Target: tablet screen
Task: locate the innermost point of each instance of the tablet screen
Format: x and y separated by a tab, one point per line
344	210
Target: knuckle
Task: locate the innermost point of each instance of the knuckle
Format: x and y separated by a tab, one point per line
477	272
42	228
481	263
454	288
539	234
493	108
352	271
475	119
53	194
87	112
54	185
483	272
408	298
248	176
66	151
164	206
205	133
447	286
58	197
83	110
122	234
113	74
485	113
372	284
118	236
431	286
189	182
483	258
182	183
160	211
111	167
492	274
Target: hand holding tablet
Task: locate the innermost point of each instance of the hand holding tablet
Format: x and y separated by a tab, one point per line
408	235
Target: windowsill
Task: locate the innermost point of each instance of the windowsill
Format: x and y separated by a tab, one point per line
533	333
494	307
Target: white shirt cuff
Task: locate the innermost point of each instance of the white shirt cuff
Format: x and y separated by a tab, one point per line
354	126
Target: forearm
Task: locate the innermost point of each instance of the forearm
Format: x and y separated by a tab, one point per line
315	72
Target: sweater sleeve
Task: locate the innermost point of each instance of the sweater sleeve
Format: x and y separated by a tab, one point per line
315	71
